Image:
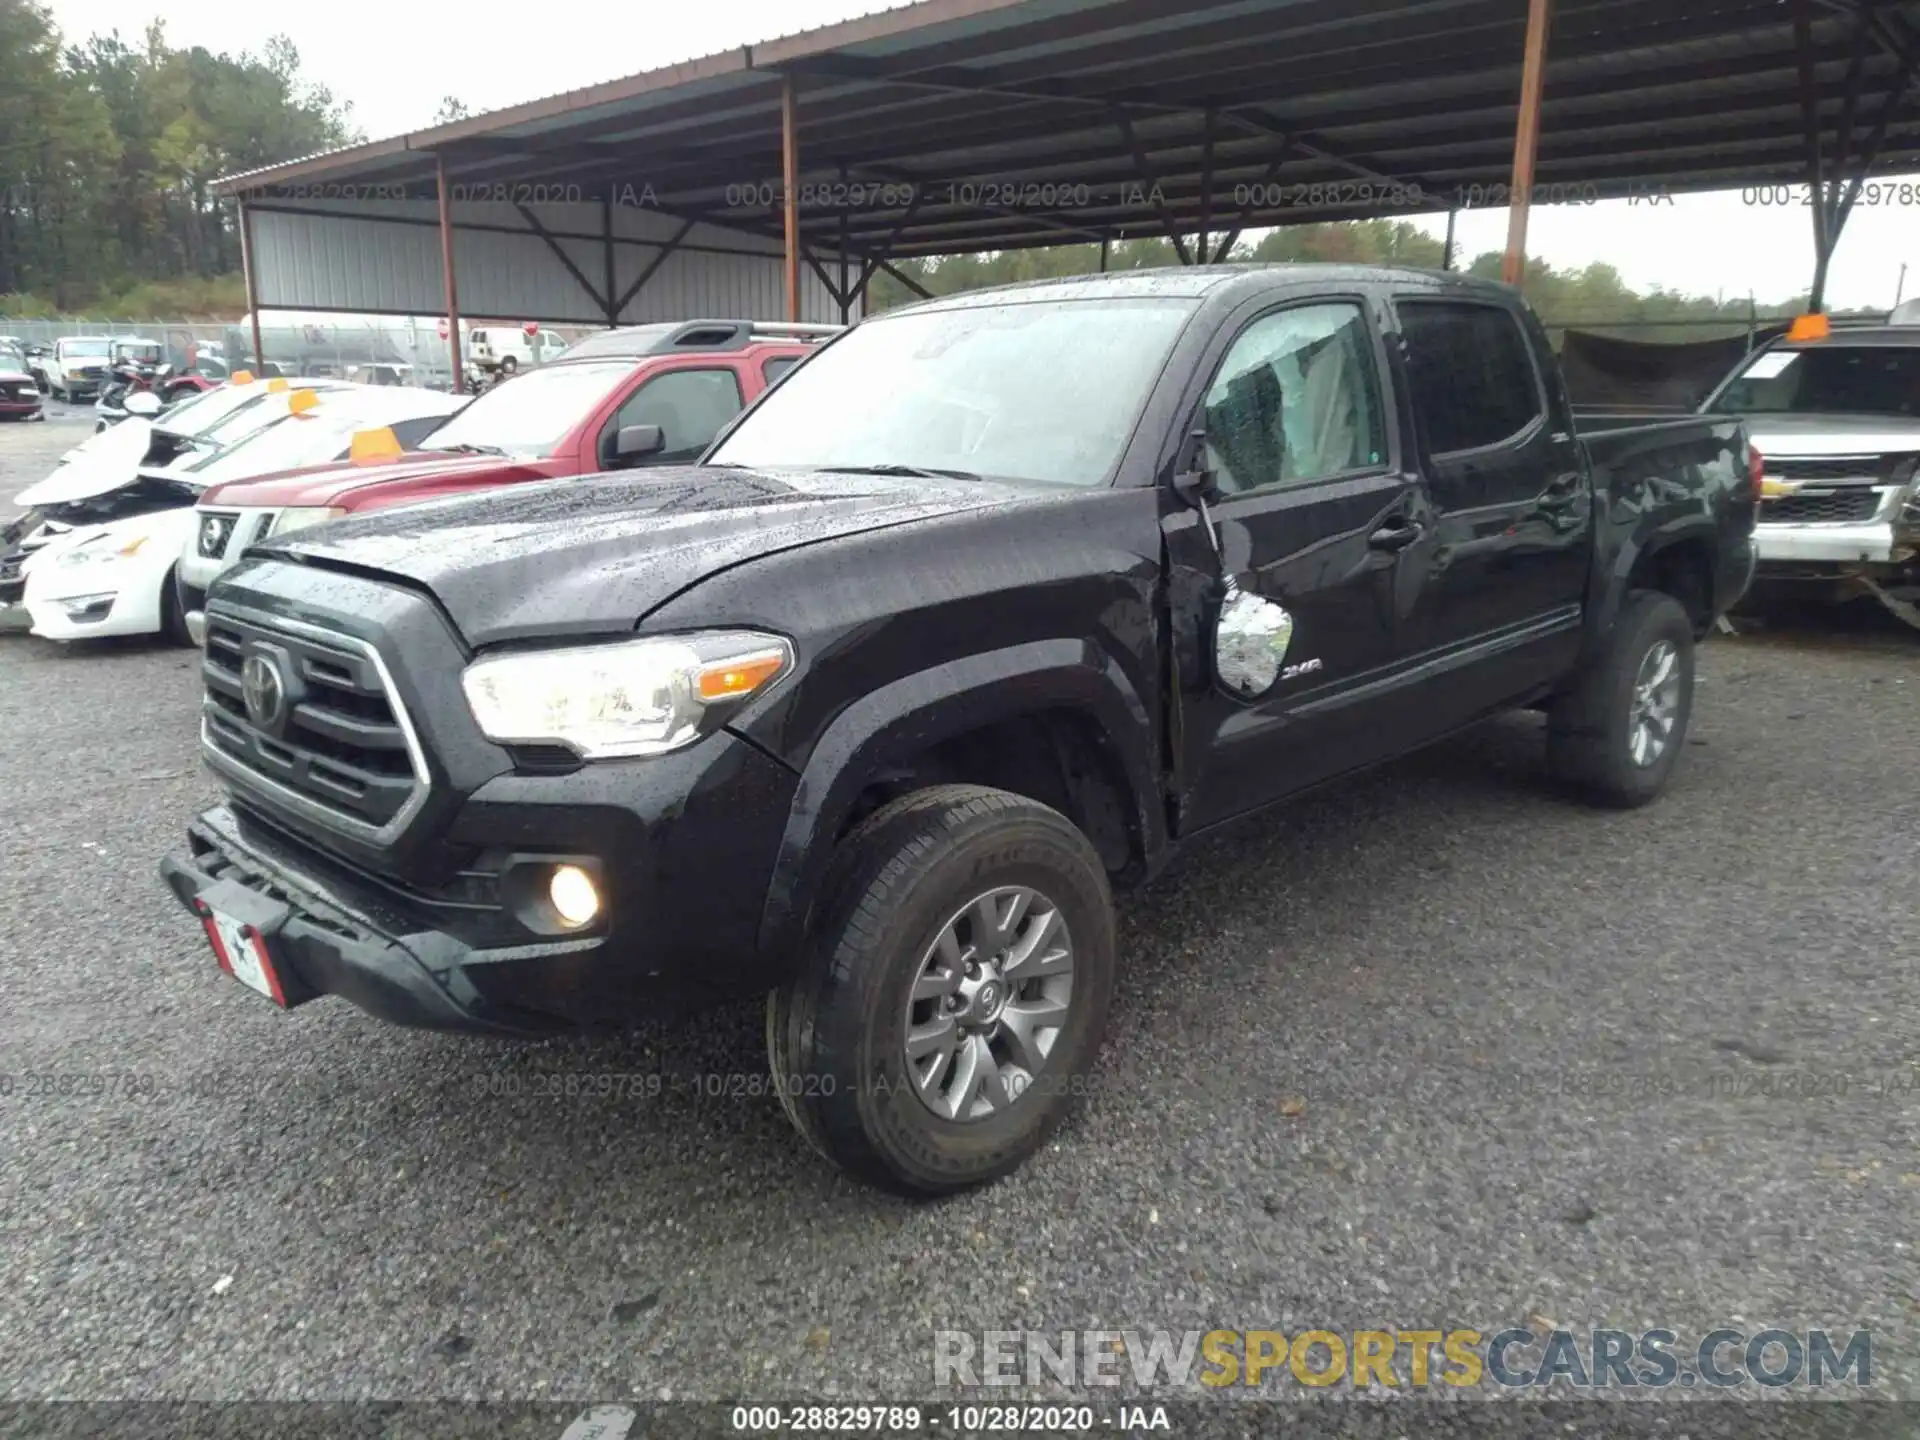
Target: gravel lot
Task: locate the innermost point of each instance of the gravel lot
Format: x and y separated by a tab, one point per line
1432	1048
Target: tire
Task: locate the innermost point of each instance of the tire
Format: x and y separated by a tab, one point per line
173	617
508	365
1591	731
837	1035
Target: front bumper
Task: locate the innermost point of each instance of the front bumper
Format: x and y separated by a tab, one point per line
23	407
84	615
326	940
1873	543
684	846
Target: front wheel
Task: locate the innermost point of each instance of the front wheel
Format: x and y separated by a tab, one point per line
953	992
173	613
1618	734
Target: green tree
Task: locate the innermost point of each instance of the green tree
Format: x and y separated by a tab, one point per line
109	151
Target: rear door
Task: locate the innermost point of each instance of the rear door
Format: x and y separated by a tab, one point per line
1494	590
1313	504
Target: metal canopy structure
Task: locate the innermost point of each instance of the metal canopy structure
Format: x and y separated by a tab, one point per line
953	126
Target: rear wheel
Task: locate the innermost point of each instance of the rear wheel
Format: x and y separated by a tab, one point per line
953	992
508	365
1619	733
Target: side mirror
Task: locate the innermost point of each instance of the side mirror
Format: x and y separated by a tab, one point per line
1193	482
635	441
143	403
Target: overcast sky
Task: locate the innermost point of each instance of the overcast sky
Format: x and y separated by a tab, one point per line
395	59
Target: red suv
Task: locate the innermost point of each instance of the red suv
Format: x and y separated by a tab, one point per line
645	395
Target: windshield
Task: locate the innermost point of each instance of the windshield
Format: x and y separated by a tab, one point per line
84	347
1044	391
1828	380
12	357
251	414
289	443
140	354
188	416
532	413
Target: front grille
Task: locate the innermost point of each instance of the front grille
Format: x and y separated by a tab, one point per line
337	745
1880	469
23	391
1857	504
215	531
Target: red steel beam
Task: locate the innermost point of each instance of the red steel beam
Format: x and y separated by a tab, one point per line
790	181
1526	140
446	266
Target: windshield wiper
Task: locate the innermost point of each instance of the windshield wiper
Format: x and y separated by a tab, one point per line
464	449
921	472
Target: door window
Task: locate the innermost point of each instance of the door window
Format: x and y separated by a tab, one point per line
689	406
1297	400
1470	372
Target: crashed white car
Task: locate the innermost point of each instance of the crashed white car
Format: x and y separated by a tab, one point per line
112	572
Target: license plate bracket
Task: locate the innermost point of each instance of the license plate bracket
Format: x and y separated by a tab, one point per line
240	925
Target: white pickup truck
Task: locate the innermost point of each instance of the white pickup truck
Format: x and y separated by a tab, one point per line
77	368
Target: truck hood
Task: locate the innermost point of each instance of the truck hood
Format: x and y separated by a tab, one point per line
595	555
1790	436
338	483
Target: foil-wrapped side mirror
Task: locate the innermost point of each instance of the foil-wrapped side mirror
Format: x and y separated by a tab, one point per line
1250	643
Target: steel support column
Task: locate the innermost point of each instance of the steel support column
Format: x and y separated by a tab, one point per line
446	266
1453	219
252	283
845	295
606	236
1823	213
1201	246
790	185
1526	140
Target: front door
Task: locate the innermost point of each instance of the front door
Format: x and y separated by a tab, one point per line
1313	509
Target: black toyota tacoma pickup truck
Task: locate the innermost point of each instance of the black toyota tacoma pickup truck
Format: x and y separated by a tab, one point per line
989	606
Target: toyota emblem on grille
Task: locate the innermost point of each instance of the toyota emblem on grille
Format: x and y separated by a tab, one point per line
266	695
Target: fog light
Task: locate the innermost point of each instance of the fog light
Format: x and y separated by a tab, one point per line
83	608
574	899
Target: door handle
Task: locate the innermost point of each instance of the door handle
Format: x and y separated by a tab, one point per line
1561	493
1395	535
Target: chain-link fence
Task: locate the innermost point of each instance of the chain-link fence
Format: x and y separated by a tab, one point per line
404	350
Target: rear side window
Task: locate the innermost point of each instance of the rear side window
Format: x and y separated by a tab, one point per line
1471	376
777	366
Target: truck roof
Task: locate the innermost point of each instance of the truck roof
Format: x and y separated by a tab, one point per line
1843	335
1210	281
636	342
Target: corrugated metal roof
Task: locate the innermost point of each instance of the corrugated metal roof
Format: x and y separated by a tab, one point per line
980	124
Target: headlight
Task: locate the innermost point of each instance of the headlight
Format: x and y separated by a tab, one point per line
301	516
632	697
102	549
